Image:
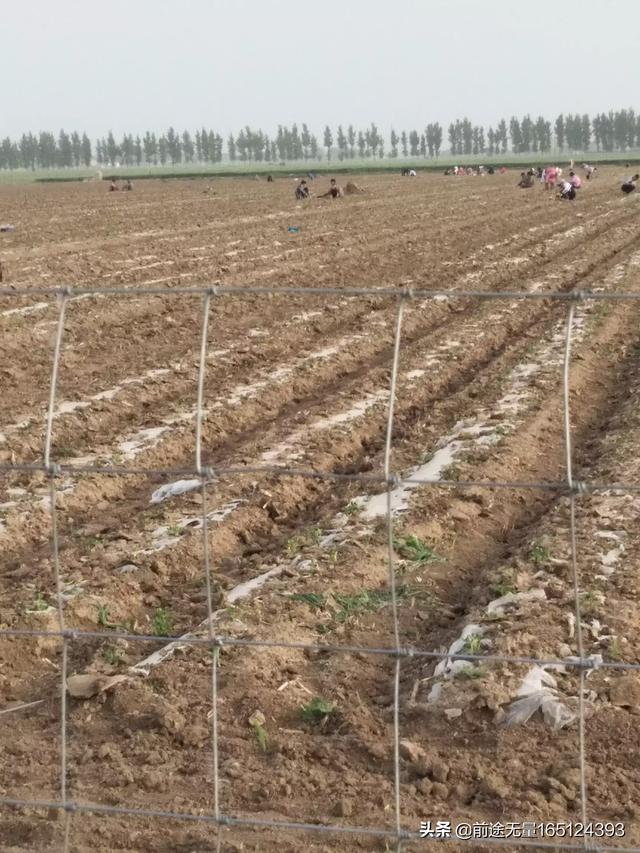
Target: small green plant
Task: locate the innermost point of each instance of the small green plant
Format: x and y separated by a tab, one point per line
615	650
113	655
174	530
257	722
469	673
590	601
162	622
414	549
315	534
473	644
104	620
103	617
315	600
317	711
294	546
64	453
505	585
451	472
539	554
332	556
361	602
88	542
39	604
352	508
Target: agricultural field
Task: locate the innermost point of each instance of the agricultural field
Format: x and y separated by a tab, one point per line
302	382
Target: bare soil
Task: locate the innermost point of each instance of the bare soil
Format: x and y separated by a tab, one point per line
302	382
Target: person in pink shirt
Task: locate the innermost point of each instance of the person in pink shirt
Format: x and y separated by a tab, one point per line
550	177
575	180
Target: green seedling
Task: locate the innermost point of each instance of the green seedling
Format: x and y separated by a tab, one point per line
505	585
332	556
294	546
174	530
473	644
315	600
104	620
315	534
414	549
103	617
88	542
162	622
113	655
39	605
352	508
615	650
317	711
64	453
469	673
451	472
257	722
504	429
539	554
590	602
361	602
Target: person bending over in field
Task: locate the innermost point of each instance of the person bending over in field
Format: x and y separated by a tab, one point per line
113	187
128	185
566	191
575	180
526	181
302	190
629	185
334	191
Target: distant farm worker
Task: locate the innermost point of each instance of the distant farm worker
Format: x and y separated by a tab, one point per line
412	173
302	190
113	187
550	177
575	180
128	185
526	181
334	191
566	191
270	179
630	184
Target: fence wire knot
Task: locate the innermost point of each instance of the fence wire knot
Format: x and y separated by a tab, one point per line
70	634
407	293
64	293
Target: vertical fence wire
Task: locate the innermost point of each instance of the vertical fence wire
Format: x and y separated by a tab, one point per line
566	375
392	570
214	650
55	554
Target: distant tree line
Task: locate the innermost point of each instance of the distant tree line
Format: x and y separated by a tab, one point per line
605	132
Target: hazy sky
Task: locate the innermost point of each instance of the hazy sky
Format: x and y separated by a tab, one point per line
133	65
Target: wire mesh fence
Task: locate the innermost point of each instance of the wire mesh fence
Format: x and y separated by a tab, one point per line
395	650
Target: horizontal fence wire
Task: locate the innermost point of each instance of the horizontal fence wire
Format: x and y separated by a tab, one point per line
68	636
284	290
